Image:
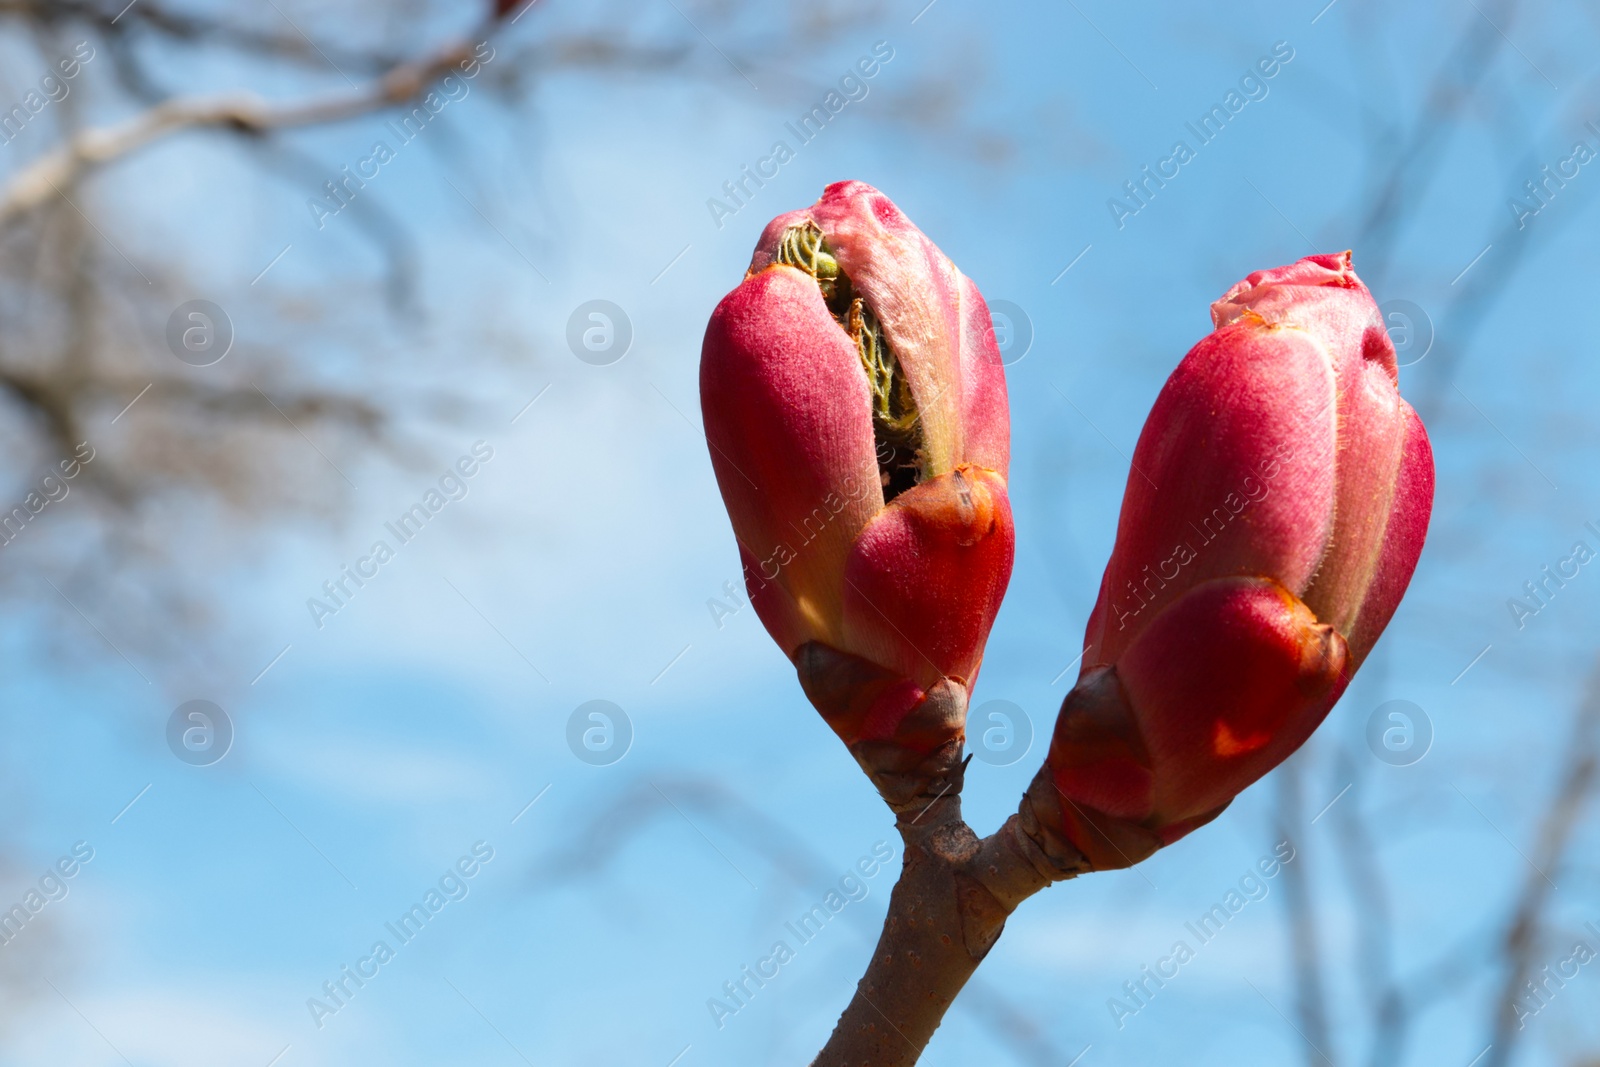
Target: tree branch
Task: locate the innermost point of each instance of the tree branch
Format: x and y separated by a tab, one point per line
120	22
1311	998
947	910
246	113
594	842
1555	837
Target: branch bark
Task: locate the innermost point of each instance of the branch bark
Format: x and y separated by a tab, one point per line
946	912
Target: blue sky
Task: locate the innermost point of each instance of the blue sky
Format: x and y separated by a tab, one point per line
426	715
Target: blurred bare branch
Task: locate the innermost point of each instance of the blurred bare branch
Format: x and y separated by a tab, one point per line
596	842
195	29
1311	997
90	149
1410	162
1523	942
1407	154
1358	855
81	303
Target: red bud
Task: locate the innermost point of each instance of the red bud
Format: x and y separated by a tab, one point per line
855	406
1277	506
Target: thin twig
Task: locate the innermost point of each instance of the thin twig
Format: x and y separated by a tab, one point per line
1556	830
247	113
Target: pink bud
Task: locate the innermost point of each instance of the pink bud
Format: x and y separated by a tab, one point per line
855	406
1277	506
